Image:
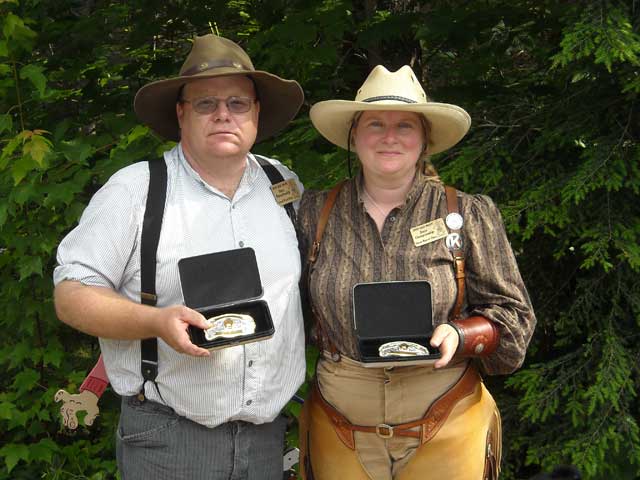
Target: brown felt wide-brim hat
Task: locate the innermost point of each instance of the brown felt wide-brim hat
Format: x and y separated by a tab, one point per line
214	56
397	91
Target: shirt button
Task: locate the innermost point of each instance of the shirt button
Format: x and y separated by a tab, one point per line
241	243
392	218
250	363
248	402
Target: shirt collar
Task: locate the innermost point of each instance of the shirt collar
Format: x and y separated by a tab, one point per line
248	177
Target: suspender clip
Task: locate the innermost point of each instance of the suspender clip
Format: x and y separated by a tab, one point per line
148	298
149	369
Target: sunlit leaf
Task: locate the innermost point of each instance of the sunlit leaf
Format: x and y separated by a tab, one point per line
43	450
53	357
9	149
6	410
28	266
14	29
3	213
21	167
37	148
34	74
76	150
25	380
14	453
6	122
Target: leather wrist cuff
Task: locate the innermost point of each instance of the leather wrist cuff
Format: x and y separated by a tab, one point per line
478	336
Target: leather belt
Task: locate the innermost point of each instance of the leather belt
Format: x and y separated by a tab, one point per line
429	425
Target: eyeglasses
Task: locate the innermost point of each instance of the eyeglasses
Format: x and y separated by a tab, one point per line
207	105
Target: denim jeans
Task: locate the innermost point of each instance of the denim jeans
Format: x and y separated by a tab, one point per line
153	443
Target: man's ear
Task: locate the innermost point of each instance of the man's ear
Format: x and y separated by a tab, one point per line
179	113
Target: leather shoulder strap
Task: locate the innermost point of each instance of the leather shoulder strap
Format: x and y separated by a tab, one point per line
324	340
323	219
458	253
276	177
151	227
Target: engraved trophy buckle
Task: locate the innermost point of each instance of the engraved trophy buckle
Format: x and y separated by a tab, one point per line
402	349
229	325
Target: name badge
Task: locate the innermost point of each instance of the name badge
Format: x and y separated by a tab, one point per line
429	232
286	192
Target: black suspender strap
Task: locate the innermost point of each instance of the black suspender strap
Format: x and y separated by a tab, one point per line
276	177
151	227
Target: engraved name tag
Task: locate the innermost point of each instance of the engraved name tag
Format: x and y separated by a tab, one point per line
429	232
286	192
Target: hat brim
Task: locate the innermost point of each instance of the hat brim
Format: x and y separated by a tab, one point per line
280	100
449	123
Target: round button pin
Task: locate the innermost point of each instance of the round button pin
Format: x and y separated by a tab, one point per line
454	221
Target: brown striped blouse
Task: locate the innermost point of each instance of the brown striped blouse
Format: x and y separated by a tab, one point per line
353	251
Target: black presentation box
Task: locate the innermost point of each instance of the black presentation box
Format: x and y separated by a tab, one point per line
225	282
393	311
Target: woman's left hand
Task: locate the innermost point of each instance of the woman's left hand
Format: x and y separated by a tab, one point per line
446	339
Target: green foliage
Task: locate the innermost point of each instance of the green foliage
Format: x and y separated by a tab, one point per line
552	88
604	32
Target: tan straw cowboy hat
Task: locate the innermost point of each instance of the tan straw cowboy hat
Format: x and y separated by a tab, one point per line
214	56
385	90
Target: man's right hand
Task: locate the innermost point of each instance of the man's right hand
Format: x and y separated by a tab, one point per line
173	323
101	312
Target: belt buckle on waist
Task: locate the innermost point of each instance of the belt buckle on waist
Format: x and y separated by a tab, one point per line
383	426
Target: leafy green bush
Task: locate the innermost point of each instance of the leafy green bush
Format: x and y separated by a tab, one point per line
552	88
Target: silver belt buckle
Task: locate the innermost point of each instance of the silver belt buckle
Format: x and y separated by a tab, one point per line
229	325
402	349
384	431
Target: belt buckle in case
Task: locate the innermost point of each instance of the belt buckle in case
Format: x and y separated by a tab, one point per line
229	325
402	349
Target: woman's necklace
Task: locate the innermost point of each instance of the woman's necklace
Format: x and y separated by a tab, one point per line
373	203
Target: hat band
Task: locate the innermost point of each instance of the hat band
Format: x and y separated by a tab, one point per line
389	97
204	66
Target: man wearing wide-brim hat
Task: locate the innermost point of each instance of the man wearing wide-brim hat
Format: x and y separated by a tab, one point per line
206	414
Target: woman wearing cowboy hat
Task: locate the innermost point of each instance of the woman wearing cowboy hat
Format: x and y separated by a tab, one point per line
378	415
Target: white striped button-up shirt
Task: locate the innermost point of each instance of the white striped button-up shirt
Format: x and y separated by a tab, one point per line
250	382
